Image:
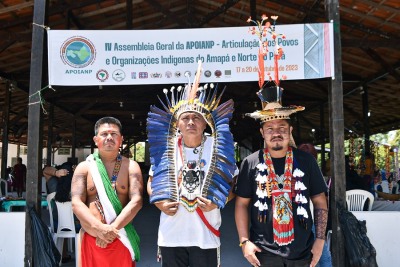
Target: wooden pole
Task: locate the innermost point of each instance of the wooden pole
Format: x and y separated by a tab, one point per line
4	140
129	11
73	152
50	136
367	134
33	178
322	138
336	132
253	10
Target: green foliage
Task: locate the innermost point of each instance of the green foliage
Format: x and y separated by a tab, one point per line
391	138
140	151
381	140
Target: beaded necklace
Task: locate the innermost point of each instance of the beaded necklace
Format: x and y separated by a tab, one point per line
273	178
117	167
282	190
195	151
187	194
113	180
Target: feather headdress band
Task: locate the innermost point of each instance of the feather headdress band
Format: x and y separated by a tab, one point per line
163	133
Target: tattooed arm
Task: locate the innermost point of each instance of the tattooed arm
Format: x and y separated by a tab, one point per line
320	221
135	196
84	208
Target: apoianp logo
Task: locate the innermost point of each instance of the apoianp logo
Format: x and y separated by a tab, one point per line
78	52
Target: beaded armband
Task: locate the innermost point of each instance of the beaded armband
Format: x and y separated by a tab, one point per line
320	220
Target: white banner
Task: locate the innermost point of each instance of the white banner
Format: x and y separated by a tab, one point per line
79	58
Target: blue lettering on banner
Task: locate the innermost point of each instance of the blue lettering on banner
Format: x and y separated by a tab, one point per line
248	57
200	44
288	42
78	71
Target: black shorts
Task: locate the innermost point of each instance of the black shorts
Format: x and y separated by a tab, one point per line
272	260
188	256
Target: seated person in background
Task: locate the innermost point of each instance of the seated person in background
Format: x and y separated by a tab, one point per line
52	175
63	190
353	180
59	181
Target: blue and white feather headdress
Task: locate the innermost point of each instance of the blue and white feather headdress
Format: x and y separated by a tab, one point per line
163	132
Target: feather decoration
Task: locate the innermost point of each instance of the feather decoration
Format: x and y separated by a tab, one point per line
162	103
162	136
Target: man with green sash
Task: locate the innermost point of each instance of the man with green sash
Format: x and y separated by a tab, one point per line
106	193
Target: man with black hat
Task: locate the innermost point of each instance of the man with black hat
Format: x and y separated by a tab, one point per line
276	184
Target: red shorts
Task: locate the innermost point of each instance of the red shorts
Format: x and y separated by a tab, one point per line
115	254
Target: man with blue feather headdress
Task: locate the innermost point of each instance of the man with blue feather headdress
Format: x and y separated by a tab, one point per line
191	175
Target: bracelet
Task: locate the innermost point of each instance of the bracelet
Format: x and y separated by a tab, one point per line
241	244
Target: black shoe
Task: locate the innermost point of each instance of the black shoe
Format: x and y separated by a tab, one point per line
66	259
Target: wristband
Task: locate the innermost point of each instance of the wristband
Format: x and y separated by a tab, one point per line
241	244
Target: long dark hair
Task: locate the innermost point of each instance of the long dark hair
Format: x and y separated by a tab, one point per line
63	192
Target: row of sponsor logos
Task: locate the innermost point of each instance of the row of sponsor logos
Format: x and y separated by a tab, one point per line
119	75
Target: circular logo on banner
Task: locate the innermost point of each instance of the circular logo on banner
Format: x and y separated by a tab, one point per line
118	75
102	75
78	52
168	74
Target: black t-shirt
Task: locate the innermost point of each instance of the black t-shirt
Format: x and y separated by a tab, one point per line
262	233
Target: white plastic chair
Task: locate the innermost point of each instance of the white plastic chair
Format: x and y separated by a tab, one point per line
49	199
65	227
385	186
3	183
356	199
